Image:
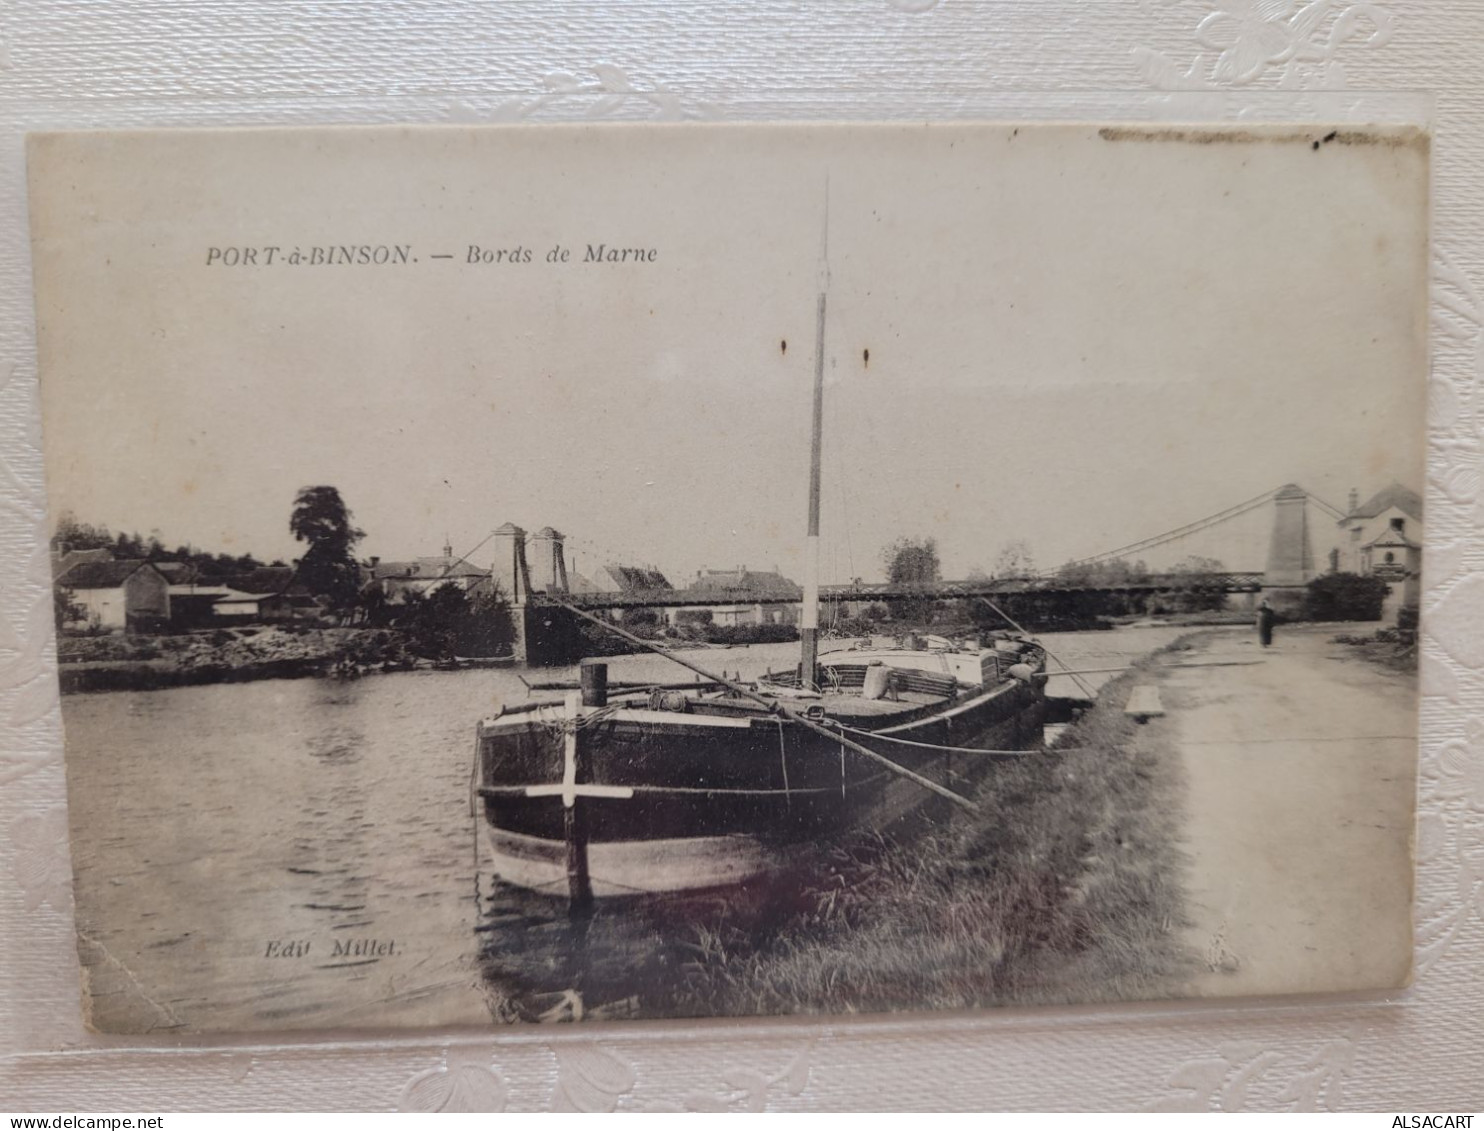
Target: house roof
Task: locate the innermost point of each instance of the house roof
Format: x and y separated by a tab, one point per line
179	573
234	597
754	583
1404	499
427	569
103	575
630	579
580	583
264	579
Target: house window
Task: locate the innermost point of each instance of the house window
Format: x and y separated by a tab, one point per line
1398	524
1390	557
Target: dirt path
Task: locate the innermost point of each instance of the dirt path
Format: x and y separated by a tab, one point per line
1301	776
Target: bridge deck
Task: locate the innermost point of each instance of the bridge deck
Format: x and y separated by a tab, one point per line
943	591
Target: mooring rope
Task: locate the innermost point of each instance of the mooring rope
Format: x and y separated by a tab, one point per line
563	725
783	761
929	745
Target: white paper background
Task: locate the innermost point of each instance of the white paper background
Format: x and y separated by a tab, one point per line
65	63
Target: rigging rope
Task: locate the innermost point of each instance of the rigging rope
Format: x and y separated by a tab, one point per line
1072	675
777	708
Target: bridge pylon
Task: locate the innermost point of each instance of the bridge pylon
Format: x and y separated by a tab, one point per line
543	634
1290	551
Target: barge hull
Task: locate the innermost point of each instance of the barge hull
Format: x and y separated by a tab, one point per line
719	802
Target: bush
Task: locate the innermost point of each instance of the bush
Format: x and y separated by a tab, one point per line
1344	596
449	622
641	621
1406	624
752	634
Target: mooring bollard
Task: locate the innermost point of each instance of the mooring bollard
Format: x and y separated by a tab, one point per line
594	679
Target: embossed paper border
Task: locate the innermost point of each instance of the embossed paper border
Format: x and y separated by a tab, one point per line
155	63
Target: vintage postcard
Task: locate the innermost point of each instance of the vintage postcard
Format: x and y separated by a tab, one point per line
575	573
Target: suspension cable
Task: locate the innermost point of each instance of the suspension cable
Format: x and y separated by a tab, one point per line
1178	532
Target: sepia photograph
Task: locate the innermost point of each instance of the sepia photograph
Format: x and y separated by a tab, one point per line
600	573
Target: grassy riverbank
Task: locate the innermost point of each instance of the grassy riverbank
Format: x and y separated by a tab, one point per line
1064	886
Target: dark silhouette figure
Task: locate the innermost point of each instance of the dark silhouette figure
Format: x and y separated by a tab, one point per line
1265	618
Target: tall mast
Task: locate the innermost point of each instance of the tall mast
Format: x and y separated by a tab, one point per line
809	622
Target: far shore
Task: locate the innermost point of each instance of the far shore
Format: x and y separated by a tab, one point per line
228	655
119	662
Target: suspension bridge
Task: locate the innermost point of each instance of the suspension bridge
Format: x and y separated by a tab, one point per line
1282	525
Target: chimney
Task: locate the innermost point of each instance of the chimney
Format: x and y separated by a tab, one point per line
1354	500
375	561
447	548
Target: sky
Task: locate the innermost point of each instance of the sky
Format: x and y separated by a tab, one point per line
1032	334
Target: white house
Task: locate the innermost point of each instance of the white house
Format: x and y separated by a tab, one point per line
1383	538
118	594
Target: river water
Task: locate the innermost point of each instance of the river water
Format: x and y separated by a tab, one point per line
301	853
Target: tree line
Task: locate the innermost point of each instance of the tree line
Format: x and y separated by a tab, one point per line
915	561
445	621
72	534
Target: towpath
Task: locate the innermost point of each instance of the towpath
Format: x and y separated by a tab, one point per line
1301	771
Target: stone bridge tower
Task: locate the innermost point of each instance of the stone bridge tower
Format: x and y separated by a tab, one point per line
1290	553
543	634
548	561
510	571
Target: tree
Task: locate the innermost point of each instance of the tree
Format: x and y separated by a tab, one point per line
1202	576
1194	563
432	621
74	535
1015	560
373	606
450	622
909	561
1115	571
65	610
912	562
490	628
328	568
126	547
